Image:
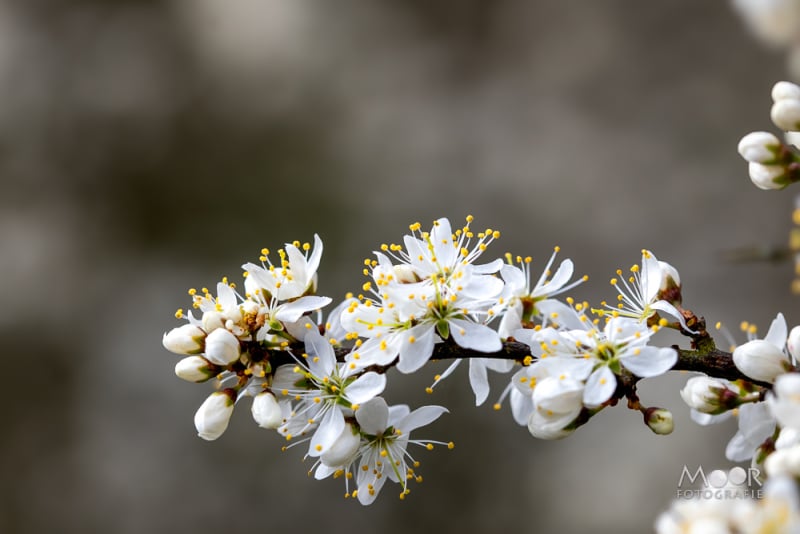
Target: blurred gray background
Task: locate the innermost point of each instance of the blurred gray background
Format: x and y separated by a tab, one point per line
148	147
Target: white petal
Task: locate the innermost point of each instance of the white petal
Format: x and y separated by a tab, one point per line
330	428
738	449
479	380
292	311
373	416
420	417
489	268
322	359
414	355
651	361
442	239
599	387
475	336
778	332
483	286
365	387
559	279
651	276
514	277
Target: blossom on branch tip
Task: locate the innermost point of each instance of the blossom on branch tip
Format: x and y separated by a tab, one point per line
760	147
641	294
785	112
765	359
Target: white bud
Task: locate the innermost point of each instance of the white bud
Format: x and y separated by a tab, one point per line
405	274
794	343
249	307
195	369
759	147
784	402
705	394
222	347
760	360
785	91
792	138
785	114
266	411
186	339
659	420
669	276
543	428
343	449
212	320
783	462
767	176
213	416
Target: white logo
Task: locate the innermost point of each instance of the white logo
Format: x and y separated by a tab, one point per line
736	483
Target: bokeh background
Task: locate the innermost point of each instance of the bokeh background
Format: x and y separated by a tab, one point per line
148	147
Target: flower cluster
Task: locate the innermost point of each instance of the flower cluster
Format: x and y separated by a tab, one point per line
769	363
772	163
265	345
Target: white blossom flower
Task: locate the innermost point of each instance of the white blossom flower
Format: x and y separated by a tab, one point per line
293	277
521	299
211	419
437	294
765	359
326	392
621	343
383	454
639	294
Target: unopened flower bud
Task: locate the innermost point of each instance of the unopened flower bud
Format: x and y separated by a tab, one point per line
783	462
784	401
196	369
405	274
343	449
212	320
186	339
786	114
659	421
710	395
266	411
211	419
792	138
785	91
768	177
222	347
760	147
760	360
794	343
